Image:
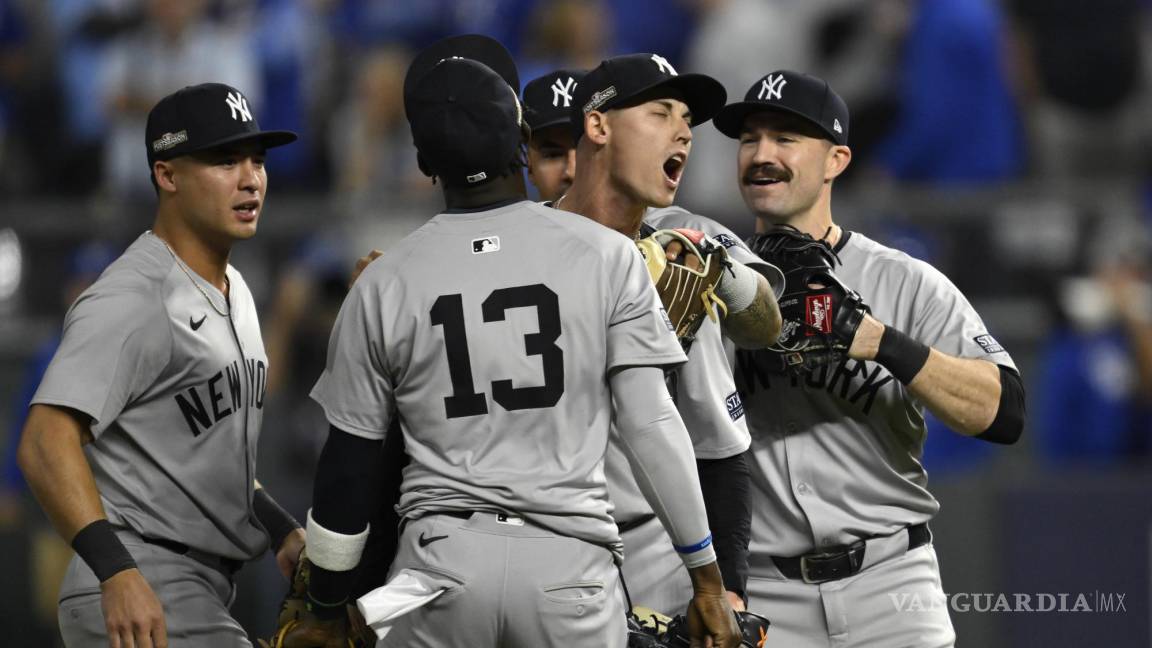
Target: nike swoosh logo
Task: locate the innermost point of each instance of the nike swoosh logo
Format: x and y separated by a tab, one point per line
424	542
196	324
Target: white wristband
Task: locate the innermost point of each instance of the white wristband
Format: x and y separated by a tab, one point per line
331	550
738	287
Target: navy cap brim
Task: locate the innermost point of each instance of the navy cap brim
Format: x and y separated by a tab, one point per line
266	139
469	46
704	95
730	119
561	120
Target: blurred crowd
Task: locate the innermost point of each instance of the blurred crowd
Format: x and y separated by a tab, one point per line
1031	114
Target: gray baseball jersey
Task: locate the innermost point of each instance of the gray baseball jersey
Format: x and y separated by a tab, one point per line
176	394
490	334
707	399
837	454
704	390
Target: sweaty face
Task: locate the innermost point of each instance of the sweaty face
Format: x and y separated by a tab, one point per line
649	145
783	165
552	160
220	192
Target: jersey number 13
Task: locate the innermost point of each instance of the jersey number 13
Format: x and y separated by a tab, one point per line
448	311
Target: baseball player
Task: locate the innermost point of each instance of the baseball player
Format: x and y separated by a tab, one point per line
702	389
504	336
840	503
552	148
141	440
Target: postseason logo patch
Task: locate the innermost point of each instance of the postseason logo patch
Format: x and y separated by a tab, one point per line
735	406
818	314
988	343
725	240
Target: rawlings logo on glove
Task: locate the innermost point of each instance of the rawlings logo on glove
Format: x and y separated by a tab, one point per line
820	314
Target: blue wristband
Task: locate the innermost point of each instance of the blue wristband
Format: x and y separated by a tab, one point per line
703	544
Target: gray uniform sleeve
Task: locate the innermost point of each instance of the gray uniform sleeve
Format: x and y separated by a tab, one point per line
114	346
657	446
946	321
639	331
356	389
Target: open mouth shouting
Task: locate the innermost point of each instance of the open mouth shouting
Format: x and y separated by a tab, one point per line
674	169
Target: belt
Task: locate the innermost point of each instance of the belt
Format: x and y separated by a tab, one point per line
227	566
625	527
840	562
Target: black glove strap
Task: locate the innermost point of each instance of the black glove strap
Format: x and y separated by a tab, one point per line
901	355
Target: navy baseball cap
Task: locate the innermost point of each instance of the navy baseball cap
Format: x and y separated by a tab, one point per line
463	110
200	117
786	91
618	80
548	99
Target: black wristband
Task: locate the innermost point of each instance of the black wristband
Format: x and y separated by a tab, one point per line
901	355
99	547
275	520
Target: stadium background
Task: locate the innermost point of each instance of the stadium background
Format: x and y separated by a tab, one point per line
1005	141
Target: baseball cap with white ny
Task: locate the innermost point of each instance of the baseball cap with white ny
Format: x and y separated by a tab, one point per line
202	117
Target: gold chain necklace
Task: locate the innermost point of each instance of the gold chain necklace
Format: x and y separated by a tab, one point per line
188	273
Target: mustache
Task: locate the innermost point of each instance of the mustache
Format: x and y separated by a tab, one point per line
766	172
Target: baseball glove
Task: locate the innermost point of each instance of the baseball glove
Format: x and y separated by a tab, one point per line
294	614
687	284
648	629
820	314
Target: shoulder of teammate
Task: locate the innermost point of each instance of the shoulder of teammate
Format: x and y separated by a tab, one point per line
939	315
117	339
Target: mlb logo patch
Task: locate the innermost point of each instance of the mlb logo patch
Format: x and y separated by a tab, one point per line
818	314
735	406
725	240
486	244
988	343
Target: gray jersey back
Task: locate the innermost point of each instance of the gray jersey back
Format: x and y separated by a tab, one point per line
490	336
176	393
838	453
704	390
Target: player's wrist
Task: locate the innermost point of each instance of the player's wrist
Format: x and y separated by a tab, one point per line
866	342
98	546
278	522
901	355
707	580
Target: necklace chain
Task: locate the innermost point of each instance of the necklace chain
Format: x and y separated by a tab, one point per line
188	273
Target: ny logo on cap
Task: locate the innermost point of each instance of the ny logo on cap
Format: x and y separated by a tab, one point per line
663	64
771	87
237	104
563	90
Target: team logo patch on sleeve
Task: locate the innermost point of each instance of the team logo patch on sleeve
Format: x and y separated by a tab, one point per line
486	244
988	343
735	406
725	240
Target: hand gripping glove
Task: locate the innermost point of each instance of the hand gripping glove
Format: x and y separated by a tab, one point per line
687	283
820	314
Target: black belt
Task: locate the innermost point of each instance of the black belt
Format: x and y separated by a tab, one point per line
625	527
840	562
227	566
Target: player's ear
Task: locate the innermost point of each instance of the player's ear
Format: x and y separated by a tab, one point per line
838	159
163	174
596	127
